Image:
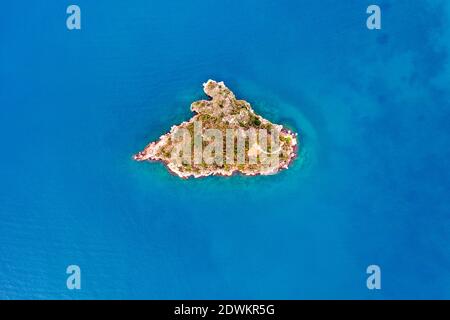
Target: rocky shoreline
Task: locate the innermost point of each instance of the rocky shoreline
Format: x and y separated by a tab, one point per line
227	113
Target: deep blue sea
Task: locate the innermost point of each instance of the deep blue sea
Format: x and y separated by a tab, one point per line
371	184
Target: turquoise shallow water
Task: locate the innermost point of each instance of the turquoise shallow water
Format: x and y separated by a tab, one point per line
370	186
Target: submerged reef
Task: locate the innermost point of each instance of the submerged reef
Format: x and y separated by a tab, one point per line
225	136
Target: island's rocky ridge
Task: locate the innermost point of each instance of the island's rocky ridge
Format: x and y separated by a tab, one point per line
210	143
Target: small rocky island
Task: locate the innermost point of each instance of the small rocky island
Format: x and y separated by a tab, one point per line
225	136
